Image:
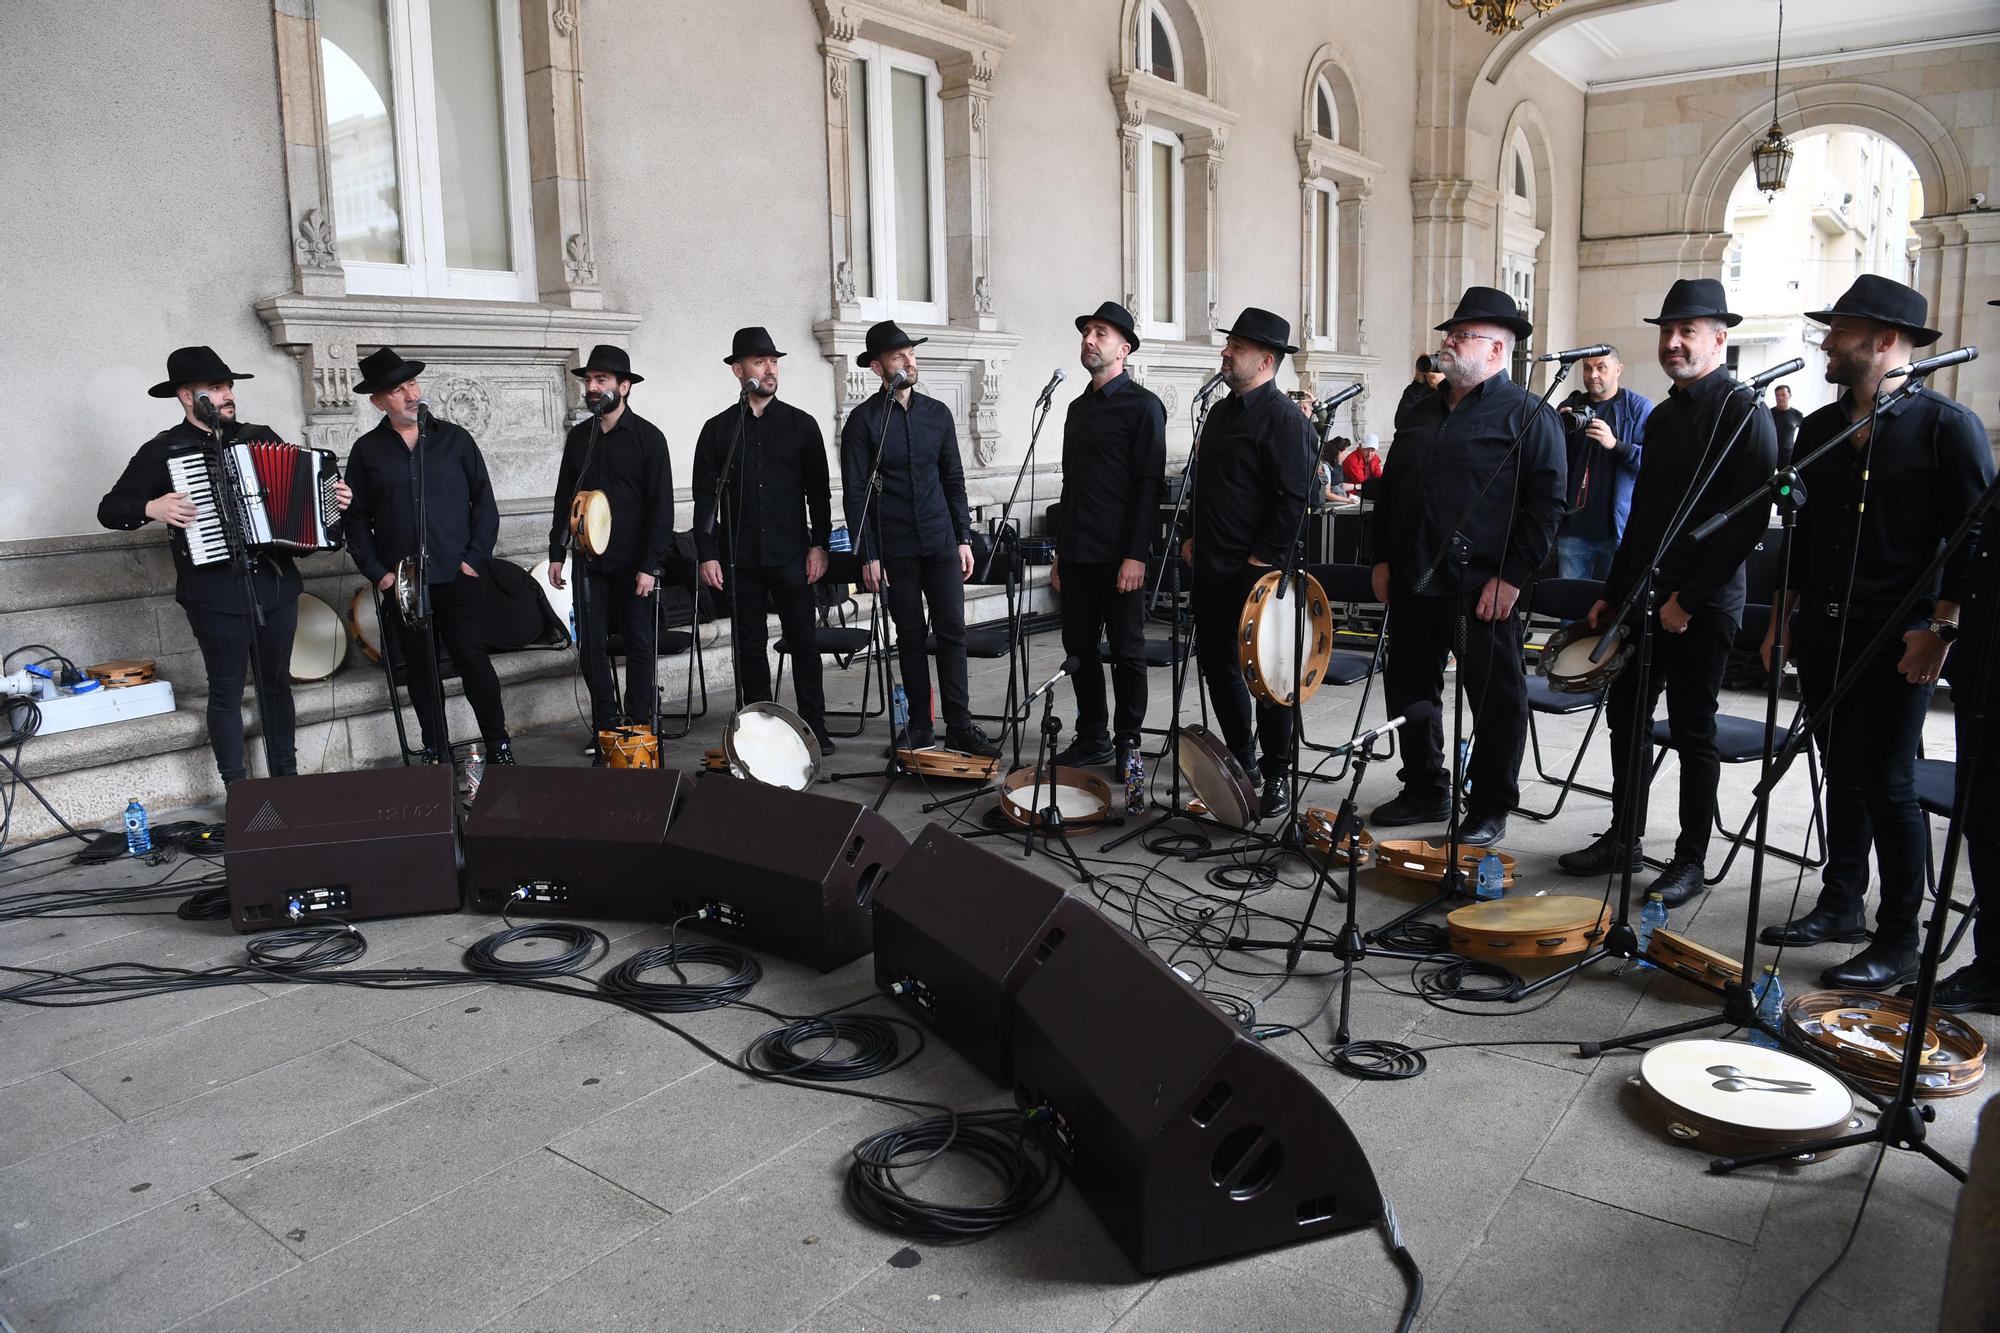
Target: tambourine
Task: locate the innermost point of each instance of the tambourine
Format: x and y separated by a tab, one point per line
1317	825
769	743
1081	799
1510	929
413	599
320	643
1732	1098
1266	638
364	623
1697	962
633	746
951	765
1216	776
125	671
1414	858
1863	1034
1565	662
590	522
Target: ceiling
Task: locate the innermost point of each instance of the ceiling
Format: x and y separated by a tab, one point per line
1664	40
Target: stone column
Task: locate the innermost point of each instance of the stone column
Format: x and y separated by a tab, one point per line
316	267
968	221
1202	170
1131	141
839	55
558	174
1452	245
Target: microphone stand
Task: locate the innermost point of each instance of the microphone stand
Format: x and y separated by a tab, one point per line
1451	886
245	566
1170	573
722	495
585	625
1055	831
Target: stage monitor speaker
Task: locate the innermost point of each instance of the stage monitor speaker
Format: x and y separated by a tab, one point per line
575	842
1190	1141
953	927
778	869
373	843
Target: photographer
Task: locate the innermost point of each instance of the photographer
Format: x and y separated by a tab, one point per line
1604	427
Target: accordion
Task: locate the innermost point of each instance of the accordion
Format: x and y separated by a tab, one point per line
283	498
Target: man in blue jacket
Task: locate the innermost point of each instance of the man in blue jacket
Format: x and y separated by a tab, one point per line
1605	428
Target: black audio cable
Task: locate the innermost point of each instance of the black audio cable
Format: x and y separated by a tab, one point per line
806	1048
627	981
306	948
998	1141
579	947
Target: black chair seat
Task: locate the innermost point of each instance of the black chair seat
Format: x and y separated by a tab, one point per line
1158	652
1344	668
1545	700
979	642
835	641
1739	740
1935	781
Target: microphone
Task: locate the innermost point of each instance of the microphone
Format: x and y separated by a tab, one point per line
1070	664
899	380
205	408
751	384
1049	389
424	417
1419	711
1578	353
1918	369
1330	404
1756	383
1208	387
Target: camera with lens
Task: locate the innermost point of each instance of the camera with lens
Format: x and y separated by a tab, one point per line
1579	412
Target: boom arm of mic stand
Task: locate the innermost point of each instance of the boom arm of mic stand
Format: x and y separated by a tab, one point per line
1007	510
1173	551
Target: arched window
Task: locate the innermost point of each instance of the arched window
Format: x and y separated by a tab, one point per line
1325	124
1156	46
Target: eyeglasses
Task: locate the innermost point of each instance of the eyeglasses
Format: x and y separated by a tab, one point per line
1459	336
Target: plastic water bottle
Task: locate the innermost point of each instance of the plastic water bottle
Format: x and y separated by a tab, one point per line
1651	917
138	833
1491	879
838	541
899	711
1135	782
1770	1009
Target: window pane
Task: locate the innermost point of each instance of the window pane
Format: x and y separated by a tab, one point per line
1163	51
1325	113
1325	256
1520	178
472	151
860	234
908	109
1162	221
361	130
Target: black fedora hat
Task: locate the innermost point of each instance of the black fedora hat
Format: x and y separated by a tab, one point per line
1696	298
885	337
194	365
609	360
1117	316
1885	301
1489	305
1261	326
383	369
753	341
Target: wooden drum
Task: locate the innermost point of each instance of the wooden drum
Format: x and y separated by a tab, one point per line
1509	929
1082	799
1696	962
590	522
951	765
1216	777
1266	639
1863	1034
633	746
1732	1098
1413	858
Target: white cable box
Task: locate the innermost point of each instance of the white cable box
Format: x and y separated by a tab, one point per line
74	711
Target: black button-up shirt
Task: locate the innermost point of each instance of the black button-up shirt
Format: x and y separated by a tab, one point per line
1929	463
212	587
1788	422
1114	468
922	509
1683	436
1254	469
780	501
630	465
460	518
1441	458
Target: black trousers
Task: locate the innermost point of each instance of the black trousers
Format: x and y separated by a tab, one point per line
1869	746
458	620
1091	602
783	589
225	640
1218	609
1421	630
1688	667
914	583
616	608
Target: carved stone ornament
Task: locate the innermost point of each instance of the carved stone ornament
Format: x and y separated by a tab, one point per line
578	266
564	19
979	115
1170	398
1131	146
843	282
465	401
982	296
316	244
836	77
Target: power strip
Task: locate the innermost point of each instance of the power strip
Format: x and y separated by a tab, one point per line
94	708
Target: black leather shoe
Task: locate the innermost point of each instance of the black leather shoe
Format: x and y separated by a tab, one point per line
1085	752
818	729
427	756
1277	802
1680	882
1818	927
1877	967
1601	857
970	740
1411	808
503	753
1480	830
1972	987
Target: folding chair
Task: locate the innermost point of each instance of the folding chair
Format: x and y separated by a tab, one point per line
1563	601
994	639
845	643
1936	780
1352	586
679	605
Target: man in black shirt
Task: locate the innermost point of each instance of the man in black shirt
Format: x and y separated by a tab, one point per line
915	533
1919	466
1253	473
627	460
775	520
1114	467
413	469
1700	590
1461	523
1787	418
1605	449
212	595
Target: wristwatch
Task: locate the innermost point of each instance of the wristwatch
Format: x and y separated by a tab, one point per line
1946	630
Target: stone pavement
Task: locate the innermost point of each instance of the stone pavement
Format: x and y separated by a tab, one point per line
492	1158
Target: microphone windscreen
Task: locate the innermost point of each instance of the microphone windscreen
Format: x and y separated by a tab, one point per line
1420	711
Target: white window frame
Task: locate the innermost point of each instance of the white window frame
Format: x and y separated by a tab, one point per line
424	272
1175	329
1142	44
885	303
1324	90
1325	257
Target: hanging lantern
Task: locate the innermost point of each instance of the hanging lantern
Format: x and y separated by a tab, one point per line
1772	160
1500	16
